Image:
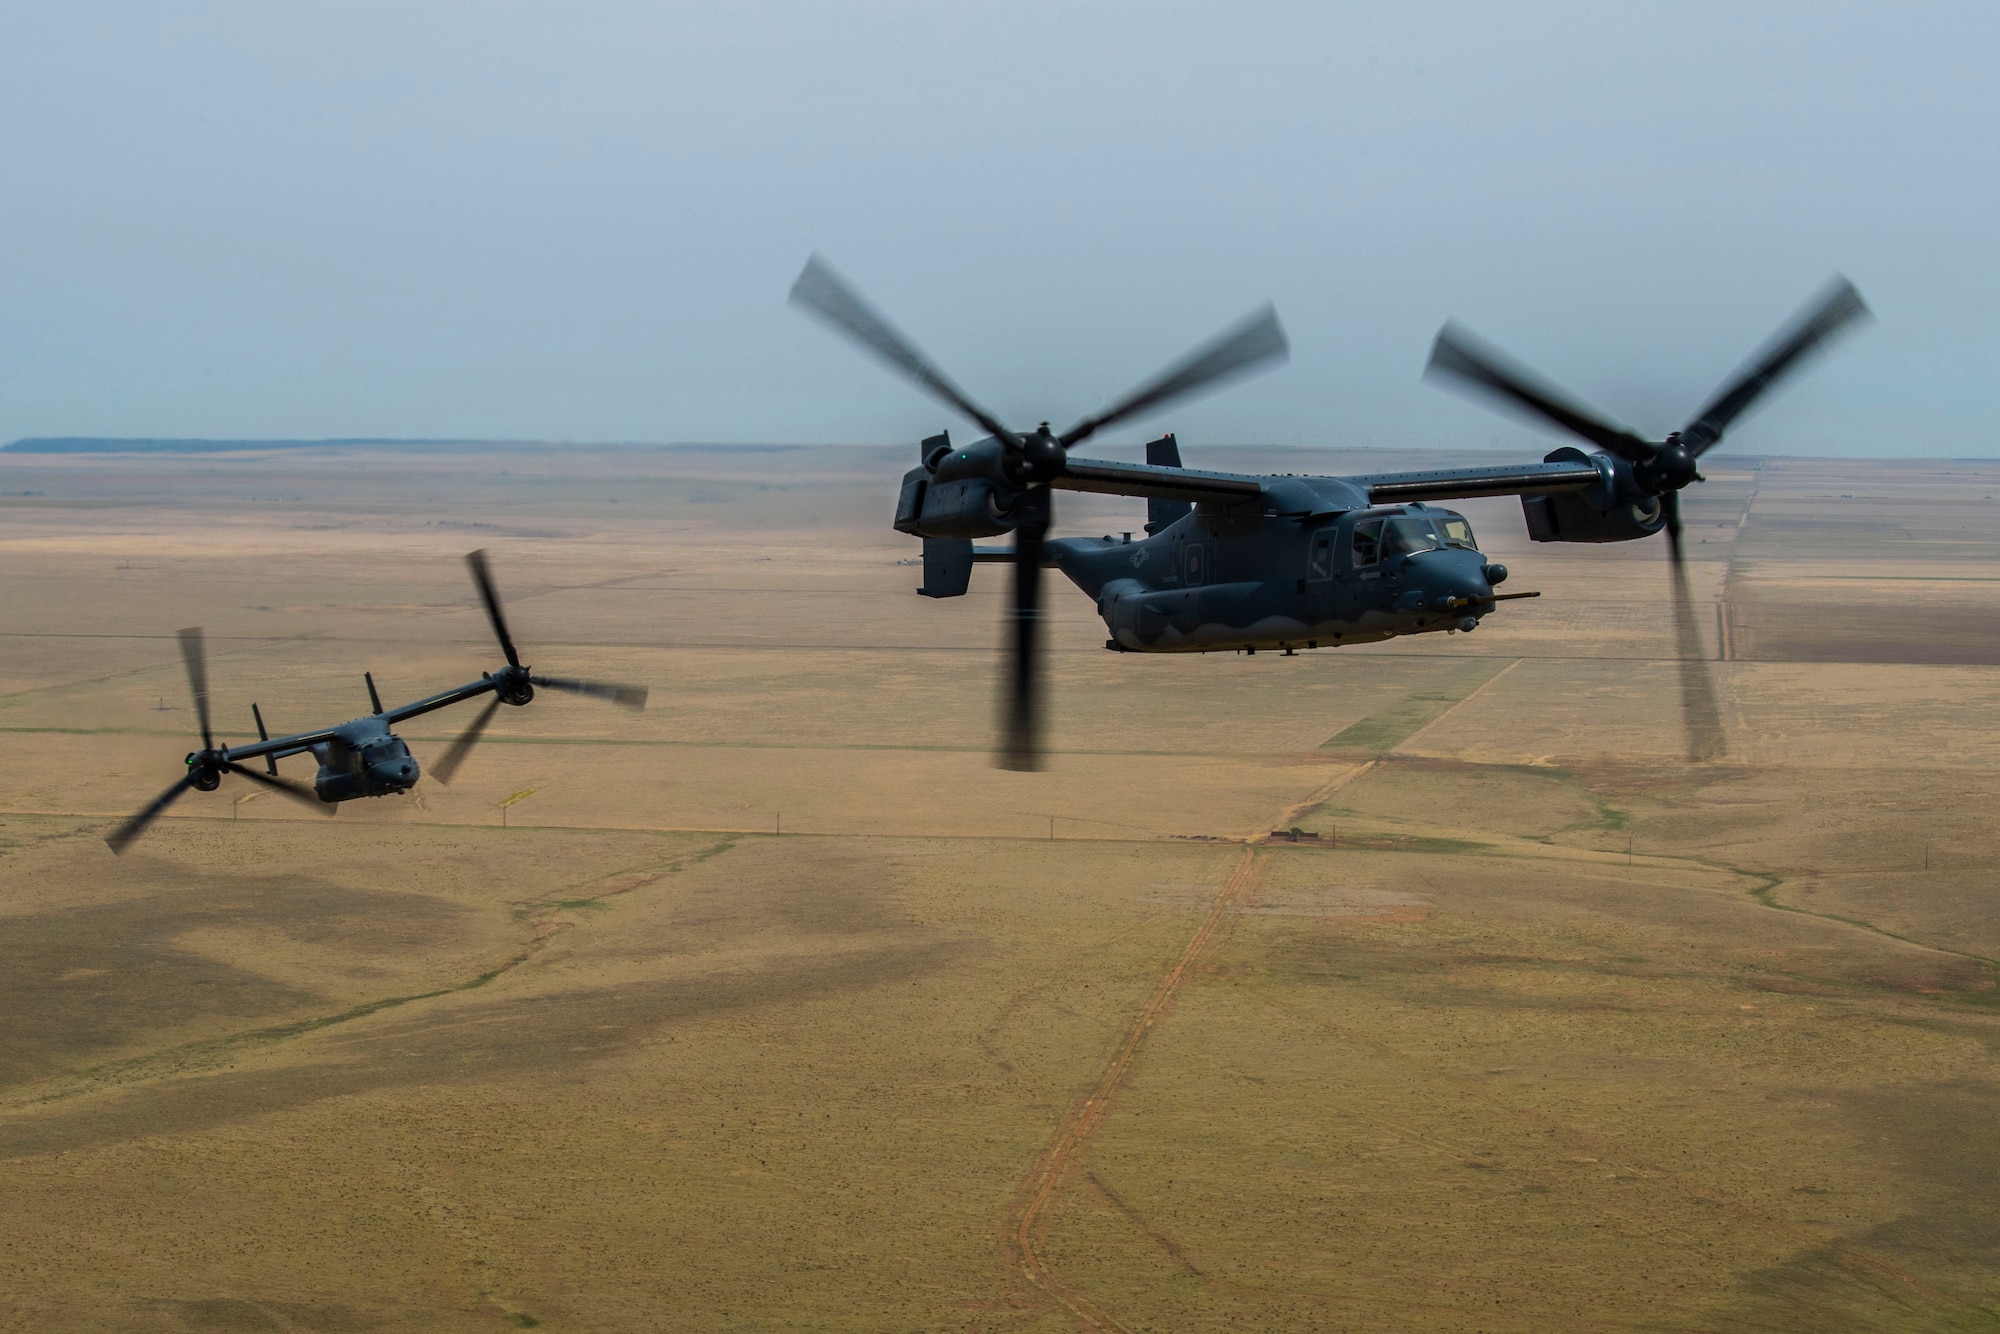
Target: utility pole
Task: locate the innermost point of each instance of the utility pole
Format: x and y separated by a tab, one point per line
781	824
1052	829
518	796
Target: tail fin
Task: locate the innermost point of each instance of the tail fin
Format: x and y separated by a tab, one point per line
270	761
1164	453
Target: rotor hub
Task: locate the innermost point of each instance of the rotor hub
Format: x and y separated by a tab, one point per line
204	771
1041	455
1671	468
519	690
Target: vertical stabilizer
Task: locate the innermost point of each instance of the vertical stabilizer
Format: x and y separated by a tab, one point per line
1164	453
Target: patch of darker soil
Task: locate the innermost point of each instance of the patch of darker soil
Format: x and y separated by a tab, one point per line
78	983
1937	1266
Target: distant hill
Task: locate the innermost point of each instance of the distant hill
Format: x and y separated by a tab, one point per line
83	444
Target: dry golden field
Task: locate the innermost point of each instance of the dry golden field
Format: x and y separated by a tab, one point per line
1553	1030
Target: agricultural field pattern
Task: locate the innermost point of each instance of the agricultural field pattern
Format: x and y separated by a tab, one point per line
777	1006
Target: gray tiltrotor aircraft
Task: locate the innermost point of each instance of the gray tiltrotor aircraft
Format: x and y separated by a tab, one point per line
362	758
1243	562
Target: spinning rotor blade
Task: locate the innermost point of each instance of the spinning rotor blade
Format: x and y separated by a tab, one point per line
448	762
484	578
1699	711
1831	312
121	837
1248	345
823	292
1458	353
631	697
298	792
1021	742
196	657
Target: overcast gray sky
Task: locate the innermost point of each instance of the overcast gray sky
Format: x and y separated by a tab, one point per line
578	221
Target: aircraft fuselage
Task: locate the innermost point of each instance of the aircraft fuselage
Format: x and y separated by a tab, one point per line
1214	581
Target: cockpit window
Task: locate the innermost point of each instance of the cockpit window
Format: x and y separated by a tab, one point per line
1402	536
1457	532
1367	542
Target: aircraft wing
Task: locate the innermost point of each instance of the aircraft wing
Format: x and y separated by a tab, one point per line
1507	479
279	746
443	699
1148	479
1511	479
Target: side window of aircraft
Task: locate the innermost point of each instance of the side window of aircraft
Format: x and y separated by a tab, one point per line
1194	572
1367	542
1402	536
1320	566
1457	532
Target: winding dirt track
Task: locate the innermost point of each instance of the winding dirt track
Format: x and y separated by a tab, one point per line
1084	1117
1054	1164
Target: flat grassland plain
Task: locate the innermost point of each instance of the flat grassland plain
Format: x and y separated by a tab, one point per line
1554	1029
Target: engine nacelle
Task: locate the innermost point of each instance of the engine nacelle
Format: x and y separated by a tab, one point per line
1616	510
972	507
958	493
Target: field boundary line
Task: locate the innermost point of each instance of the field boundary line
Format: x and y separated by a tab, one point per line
1470	695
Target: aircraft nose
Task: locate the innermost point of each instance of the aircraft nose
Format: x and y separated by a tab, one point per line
1463	582
1467	576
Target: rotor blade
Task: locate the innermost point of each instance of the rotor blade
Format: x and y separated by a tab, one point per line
1699	711
122	836
1256	341
1832	311
631	697
826	294
1458	353
1021	743
298	792
483	577
196	657
448	762
284	786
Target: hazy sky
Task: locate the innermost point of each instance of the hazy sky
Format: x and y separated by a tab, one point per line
579	221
